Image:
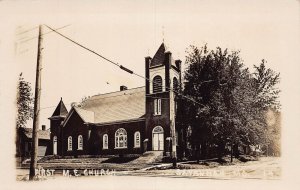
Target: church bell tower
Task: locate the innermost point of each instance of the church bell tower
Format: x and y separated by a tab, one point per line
163	77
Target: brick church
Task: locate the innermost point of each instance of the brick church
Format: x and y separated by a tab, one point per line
129	121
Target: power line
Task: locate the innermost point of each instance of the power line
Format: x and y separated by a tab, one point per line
121	67
27	30
170	89
83	46
102	98
51	107
23	41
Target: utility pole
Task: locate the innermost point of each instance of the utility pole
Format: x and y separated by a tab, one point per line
36	114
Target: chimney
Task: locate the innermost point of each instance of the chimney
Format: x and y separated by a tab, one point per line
178	64
43	127
122	88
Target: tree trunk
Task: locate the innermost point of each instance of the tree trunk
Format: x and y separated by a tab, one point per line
203	150
245	149
221	148
236	150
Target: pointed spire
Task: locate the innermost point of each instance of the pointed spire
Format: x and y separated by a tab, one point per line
60	110
159	56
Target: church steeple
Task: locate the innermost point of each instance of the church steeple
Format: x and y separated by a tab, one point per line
159	57
56	121
60	110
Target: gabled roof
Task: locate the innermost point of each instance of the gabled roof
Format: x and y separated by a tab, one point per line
61	110
113	107
42	134
86	116
159	56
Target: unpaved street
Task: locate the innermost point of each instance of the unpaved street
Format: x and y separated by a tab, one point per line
265	168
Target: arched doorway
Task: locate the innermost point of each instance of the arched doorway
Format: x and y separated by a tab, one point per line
55	145
158	138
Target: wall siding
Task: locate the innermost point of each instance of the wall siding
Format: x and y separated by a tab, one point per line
74	127
97	133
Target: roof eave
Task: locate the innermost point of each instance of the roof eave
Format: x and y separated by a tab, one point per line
57	117
116	122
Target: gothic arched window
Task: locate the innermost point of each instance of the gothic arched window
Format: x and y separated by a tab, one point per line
69	143
80	142
121	138
157	84
55	145
105	141
137	139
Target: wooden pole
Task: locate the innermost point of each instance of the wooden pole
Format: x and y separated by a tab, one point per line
36	115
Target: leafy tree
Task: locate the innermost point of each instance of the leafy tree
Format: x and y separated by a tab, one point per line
231	102
265	83
24	102
24	109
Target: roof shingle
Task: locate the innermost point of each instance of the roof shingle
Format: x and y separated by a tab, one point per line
159	56
113	107
42	134
61	110
87	116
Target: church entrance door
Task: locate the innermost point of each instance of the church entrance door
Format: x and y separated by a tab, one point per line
158	138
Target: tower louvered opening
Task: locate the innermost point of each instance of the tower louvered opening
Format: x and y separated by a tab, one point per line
157	84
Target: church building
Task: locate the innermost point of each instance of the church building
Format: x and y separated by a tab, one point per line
129	121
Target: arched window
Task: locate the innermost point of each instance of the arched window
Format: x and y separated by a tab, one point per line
80	142
158	129
54	145
175	84
157	106
69	143
55	139
105	141
137	139
157	84
121	138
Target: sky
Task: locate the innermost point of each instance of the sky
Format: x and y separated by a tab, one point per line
128	31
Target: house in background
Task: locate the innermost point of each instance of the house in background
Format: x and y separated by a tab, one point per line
129	121
24	142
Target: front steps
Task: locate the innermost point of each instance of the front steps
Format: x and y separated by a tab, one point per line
145	160
149	157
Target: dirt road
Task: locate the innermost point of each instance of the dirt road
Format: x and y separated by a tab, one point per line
265	168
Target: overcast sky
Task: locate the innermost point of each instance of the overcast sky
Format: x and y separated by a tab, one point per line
128	31
125	31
